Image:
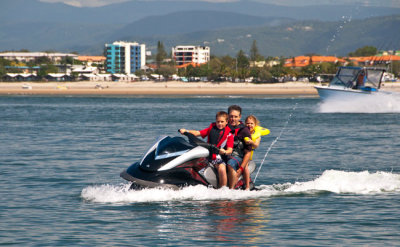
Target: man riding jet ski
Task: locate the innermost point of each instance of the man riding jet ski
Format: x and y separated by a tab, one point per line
173	163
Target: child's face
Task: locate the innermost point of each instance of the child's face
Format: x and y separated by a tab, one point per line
250	124
221	122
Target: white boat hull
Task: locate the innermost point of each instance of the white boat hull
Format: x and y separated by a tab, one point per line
326	93
336	93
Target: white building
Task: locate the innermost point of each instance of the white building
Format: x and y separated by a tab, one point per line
184	54
82	69
31	56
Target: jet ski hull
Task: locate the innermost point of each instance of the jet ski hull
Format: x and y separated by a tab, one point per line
185	175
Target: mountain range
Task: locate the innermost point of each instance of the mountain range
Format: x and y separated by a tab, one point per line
225	27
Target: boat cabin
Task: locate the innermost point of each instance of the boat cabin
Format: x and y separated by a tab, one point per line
362	78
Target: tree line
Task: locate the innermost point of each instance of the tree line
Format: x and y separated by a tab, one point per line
235	68
242	66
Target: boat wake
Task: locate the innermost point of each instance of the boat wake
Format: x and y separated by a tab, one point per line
340	182
334	181
379	103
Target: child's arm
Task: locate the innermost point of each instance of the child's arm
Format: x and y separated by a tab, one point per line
254	144
193	132
228	151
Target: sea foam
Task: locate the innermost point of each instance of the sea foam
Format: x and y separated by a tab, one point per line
382	103
351	182
333	181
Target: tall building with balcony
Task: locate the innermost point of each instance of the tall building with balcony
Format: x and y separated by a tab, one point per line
125	57
184	54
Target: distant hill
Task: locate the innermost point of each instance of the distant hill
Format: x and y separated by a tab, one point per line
68	37
225	27
293	38
14	11
193	21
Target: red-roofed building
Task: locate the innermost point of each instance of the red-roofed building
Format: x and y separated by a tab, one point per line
371	60
92	59
302	61
187	64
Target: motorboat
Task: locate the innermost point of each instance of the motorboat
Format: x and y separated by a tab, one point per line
174	162
351	82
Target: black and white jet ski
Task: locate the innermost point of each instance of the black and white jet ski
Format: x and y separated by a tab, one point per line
173	163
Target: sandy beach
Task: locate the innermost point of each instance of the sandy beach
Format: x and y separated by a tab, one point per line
164	88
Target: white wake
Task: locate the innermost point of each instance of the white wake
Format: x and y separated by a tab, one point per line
351	182
382	103
331	180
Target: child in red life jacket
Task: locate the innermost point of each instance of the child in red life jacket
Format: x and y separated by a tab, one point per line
218	134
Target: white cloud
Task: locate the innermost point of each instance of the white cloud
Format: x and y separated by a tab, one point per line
98	3
85	3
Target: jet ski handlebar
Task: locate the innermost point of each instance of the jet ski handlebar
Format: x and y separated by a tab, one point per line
196	141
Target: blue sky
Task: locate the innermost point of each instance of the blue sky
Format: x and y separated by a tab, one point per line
386	3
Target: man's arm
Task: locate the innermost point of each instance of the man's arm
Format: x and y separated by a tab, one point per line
245	162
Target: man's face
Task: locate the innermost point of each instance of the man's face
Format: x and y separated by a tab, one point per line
234	118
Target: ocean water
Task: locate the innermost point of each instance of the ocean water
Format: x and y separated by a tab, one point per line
330	176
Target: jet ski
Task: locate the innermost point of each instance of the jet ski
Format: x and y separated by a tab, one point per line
174	163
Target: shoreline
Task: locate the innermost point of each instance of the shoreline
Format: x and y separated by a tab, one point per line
165	88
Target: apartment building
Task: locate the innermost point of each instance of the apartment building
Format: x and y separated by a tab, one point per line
184	54
125	57
31	56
